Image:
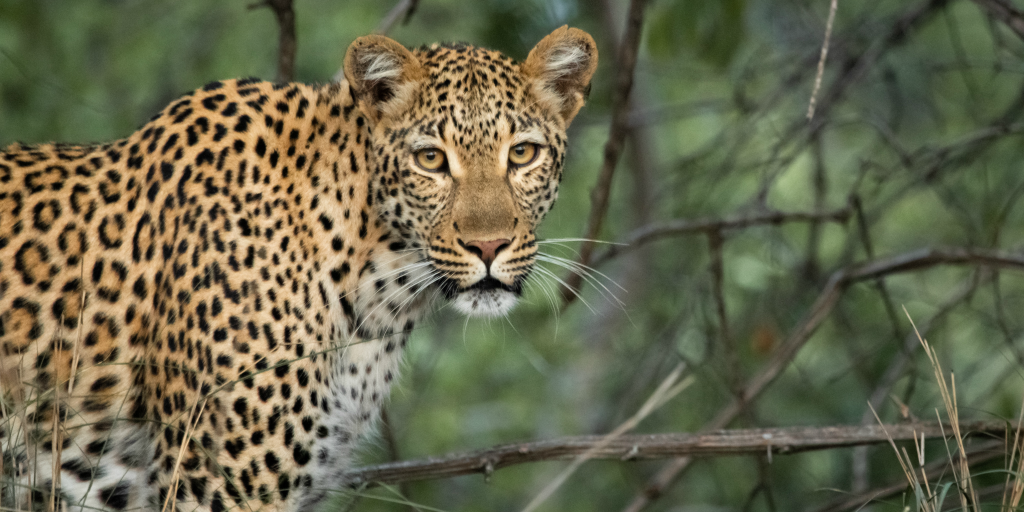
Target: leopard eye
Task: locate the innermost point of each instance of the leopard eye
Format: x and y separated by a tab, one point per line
430	159
522	154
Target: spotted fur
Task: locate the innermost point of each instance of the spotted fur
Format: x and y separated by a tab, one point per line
207	314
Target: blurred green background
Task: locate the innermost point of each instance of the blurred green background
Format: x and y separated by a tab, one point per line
919	119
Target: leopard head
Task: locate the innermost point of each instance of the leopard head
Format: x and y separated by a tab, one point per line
466	151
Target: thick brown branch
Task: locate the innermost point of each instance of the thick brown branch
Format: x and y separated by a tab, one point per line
626	63
677	227
1006	12
287	43
778	441
819	311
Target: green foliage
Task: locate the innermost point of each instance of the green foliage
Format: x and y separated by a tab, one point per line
709	31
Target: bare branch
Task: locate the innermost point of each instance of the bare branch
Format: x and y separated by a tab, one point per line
778	441
819	311
732	366
626	62
677	227
403	10
1006	12
287	44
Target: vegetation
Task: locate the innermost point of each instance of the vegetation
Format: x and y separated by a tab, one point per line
768	258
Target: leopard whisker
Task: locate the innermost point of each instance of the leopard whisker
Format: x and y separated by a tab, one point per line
564	243
550	292
405	268
541	285
586	274
561	240
415	264
431	278
383	302
551	275
575	265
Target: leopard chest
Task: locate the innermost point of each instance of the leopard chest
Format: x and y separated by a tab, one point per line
352	376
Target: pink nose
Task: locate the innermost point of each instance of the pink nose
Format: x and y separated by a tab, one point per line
487	250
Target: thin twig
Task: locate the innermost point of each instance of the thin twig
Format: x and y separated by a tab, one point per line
626	62
779	441
403	10
1006	12
821	59
732	367
664	392
677	227
869	249
387	431
819	182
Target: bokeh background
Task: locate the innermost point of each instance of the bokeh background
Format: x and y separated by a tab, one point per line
916	143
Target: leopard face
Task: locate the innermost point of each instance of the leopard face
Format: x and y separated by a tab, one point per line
468	153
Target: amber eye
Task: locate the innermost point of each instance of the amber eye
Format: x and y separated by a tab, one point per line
522	154
430	159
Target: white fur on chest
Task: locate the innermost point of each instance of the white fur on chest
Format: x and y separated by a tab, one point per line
365	358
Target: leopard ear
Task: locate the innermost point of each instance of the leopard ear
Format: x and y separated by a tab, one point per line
382	74
562	64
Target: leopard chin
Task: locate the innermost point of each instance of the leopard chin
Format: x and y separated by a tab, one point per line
487	303
487	297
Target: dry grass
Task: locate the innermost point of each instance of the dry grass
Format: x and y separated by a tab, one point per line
930	497
190	428
1012	491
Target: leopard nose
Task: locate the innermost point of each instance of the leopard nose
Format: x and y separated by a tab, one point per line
487	250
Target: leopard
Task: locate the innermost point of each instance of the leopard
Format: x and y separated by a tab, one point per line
209	314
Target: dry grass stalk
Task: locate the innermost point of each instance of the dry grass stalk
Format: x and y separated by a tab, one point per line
821	59
190	426
920	490
961	471
665	392
1016	451
56	441
58	427
926	500
5	414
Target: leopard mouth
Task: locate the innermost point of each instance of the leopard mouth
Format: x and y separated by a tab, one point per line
487	297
